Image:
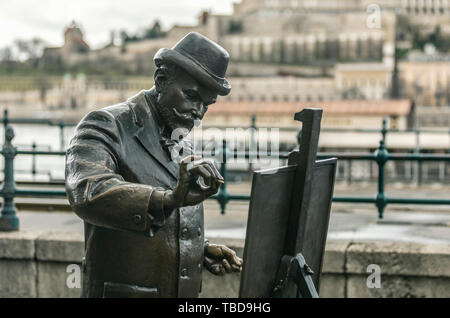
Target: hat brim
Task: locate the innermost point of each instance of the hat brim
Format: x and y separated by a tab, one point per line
218	84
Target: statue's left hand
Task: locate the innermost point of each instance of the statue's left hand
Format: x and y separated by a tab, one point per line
220	259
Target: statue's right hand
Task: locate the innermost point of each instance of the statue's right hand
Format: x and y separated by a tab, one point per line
188	191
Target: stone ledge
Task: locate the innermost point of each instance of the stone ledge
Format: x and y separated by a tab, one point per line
392	286
18	278
394	258
33	264
399	258
334	258
60	247
17	245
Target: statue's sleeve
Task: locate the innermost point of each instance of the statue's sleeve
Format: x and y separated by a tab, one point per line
96	192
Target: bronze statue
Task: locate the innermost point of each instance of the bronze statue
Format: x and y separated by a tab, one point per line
142	210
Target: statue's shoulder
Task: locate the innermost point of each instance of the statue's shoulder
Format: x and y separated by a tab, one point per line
122	112
103	117
119	111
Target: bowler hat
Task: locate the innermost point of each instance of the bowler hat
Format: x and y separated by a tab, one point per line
203	59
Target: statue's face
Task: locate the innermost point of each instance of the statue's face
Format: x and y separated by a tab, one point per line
184	102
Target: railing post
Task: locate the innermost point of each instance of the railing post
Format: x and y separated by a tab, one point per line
417	165
8	220
223	196
61	136
349	174
381	158
252	145
33	160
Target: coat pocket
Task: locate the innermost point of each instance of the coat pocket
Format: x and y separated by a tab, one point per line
120	290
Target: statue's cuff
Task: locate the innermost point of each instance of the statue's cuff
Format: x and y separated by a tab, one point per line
156	207
158	211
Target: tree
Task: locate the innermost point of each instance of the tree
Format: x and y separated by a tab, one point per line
154	32
7	59
123	36
126	38
31	49
6	54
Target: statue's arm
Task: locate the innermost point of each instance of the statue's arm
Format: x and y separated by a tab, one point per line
96	192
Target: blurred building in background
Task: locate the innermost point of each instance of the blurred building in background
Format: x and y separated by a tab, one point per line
359	60
282	51
425	77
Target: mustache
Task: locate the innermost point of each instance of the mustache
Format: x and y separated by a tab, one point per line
188	116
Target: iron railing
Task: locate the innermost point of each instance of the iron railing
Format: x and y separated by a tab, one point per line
63	124
9	220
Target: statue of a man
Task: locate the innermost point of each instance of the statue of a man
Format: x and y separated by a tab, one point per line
142	210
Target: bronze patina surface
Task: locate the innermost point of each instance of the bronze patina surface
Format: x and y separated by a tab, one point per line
140	199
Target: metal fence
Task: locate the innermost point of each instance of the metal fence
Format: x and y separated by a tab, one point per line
9	220
396	171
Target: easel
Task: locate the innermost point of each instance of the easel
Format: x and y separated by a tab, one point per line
289	213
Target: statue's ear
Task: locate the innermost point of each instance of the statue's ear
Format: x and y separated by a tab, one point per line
160	79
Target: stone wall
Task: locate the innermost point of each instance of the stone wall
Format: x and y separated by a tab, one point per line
34	264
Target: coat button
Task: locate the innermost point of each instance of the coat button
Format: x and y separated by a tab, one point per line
137	219
184	272
184	233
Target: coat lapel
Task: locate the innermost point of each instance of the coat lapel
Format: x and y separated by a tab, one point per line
148	135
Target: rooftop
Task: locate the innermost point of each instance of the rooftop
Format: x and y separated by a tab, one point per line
337	107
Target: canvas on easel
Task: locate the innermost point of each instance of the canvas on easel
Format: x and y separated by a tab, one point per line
288	221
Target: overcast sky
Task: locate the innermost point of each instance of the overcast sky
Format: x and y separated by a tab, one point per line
47	19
